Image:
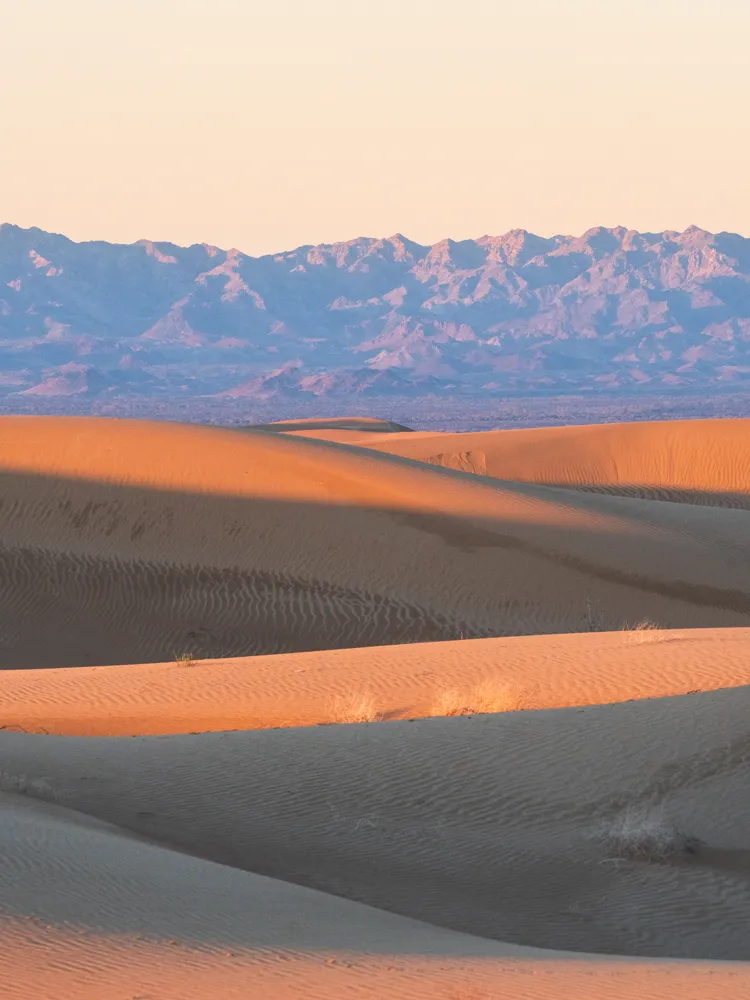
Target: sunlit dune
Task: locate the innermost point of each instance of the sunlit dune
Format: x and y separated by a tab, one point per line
693	461
332	709
127	541
378	683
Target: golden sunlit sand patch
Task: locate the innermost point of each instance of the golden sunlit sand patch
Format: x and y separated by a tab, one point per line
704	462
381	682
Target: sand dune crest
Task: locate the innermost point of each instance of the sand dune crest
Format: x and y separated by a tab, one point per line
382	682
705	462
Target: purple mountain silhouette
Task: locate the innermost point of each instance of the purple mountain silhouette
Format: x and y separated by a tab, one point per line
612	309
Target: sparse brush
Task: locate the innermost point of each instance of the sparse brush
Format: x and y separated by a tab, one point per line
641	833
490	695
355	707
450	701
184	659
594	616
643	631
20	784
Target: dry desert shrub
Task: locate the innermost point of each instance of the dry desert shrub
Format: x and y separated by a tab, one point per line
490	695
641	833
184	659
594	616
20	784
643	631
354	707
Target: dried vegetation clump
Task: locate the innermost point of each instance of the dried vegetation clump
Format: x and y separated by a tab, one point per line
642	833
184	659
644	631
490	695
354	707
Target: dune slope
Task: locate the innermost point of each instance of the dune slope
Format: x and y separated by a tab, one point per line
689	461
124	541
88	911
390	682
497	825
186	828
347	430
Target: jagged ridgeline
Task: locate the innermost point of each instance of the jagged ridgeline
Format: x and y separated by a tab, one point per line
612	309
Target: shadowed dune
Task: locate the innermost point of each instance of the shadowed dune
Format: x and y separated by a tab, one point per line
346	430
122	917
371	424
124	541
113	906
683	461
492	825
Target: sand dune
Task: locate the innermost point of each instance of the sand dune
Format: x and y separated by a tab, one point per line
365	424
121	917
124	541
191	826
494	825
394	682
689	461
346	430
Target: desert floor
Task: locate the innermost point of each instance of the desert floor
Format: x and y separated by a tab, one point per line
334	708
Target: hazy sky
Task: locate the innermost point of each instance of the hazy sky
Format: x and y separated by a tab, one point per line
265	124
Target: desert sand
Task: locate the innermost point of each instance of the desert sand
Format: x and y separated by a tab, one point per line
345	430
683	461
545	796
131	542
418	680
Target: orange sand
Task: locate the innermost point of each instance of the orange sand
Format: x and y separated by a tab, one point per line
459	858
400	682
132	542
240	935
697	461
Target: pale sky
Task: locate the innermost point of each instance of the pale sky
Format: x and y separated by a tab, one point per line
266	124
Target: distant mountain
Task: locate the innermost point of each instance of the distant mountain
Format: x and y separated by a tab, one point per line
613	309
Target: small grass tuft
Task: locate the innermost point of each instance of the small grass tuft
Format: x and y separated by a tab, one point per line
354	707
490	695
184	659
20	784
641	833
594	616
644	631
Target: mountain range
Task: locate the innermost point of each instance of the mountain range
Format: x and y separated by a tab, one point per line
611	310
